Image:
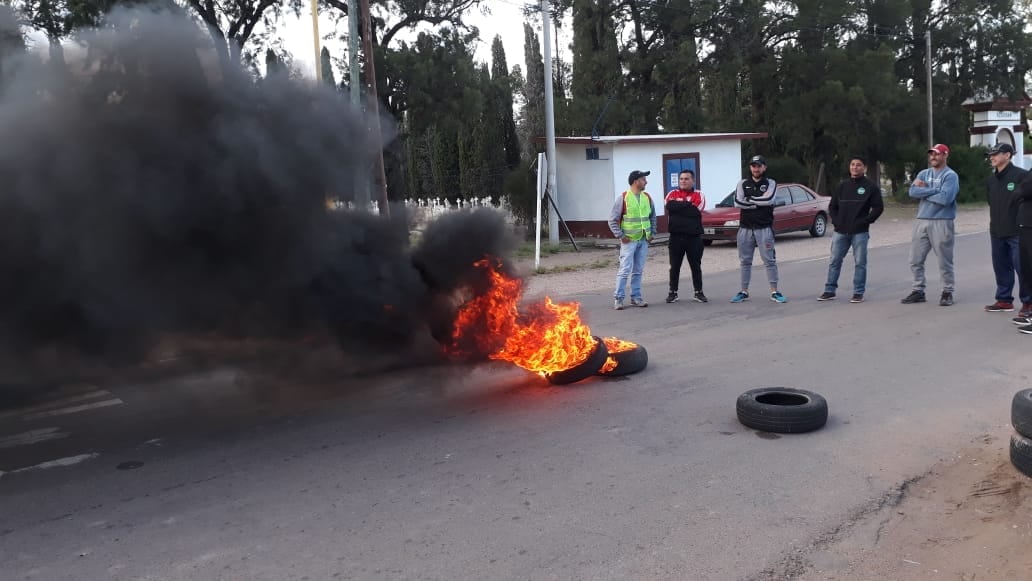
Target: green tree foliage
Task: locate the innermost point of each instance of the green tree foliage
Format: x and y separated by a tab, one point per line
327	67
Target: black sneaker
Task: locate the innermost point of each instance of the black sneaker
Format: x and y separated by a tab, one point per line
857	299
914	297
1019	320
946	299
826	296
1027	329
700	298
672	297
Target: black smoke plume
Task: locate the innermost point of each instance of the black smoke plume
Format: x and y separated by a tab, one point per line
149	190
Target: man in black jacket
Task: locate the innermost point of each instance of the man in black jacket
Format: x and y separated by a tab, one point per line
1025	245
1002	193
684	221
855	204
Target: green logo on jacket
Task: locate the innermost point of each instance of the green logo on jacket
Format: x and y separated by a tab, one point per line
1010	187
861	191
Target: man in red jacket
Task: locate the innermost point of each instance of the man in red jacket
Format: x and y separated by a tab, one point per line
684	220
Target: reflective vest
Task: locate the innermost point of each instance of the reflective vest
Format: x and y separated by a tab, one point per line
636	213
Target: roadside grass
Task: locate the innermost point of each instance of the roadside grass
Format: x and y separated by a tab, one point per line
595	264
526	250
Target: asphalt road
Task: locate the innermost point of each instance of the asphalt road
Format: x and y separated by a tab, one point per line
489	473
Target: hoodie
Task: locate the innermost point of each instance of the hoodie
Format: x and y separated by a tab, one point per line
684	212
855	204
939	197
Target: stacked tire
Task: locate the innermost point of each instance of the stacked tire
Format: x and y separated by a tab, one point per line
1021	441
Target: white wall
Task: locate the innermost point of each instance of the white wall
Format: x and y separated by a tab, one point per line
585	195
585	187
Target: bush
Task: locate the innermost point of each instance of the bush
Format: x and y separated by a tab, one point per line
520	189
969	163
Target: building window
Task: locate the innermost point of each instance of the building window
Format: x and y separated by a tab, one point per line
591	153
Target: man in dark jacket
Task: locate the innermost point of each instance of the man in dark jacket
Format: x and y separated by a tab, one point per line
1025	245
855	204
754	196
1002	192
684	221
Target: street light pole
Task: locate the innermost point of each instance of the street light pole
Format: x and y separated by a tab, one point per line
315	39
553	218
928	81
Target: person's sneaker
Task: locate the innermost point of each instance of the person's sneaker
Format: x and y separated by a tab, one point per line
857	299
914	297
741	296
777	297
999	307
946	299
1027	329
639	303
672	297
826	296
700	298
1026	310
618	304
1019	320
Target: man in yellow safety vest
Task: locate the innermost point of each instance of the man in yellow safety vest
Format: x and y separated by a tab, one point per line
633	221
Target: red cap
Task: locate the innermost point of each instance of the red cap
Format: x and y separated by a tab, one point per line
940	148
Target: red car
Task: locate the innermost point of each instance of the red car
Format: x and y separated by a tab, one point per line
796	208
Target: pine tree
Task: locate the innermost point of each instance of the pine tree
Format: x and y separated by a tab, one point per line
532	117
327	67
503	85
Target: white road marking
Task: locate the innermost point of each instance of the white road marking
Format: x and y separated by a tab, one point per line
57	402
32	437
74	409
60	462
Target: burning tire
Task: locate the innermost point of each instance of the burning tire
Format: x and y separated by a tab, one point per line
584	370
624	358
1021	454
1021	412
782	410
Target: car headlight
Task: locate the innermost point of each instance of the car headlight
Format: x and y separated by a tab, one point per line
731	223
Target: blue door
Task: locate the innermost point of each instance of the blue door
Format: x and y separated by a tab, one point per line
673	165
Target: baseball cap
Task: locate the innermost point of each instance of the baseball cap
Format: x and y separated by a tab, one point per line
940	148
1001	148
635	175
757	160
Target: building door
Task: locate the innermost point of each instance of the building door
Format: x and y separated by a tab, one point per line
674	164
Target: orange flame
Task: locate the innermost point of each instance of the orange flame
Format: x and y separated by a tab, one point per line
615	345
546	338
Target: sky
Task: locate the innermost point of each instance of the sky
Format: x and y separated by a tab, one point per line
505	19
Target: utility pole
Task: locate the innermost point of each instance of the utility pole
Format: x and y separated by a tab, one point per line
374	106
315	40
361	188
553	217
928	81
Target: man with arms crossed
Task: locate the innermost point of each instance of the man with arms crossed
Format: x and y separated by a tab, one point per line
937	187
755	196
684	208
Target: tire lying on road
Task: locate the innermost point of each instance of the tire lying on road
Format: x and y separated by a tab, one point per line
627	362
583	371
782	410
1021	454
1021	412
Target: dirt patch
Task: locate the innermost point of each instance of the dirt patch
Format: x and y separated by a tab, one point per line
967	519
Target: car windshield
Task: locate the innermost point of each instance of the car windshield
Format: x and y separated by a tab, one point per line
728	202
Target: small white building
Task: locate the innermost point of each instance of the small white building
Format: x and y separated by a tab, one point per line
592	172
1000	120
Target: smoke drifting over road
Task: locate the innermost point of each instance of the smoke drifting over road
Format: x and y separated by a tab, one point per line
147	190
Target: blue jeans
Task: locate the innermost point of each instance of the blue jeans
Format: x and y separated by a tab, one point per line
632	263
1007	262
840	245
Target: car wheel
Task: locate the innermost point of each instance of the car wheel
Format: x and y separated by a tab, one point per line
585	370
820	226
1021	412
782	410
1021	454
627	362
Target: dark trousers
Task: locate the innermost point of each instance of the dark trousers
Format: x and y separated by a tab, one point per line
682	245
1025	249
1007	261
